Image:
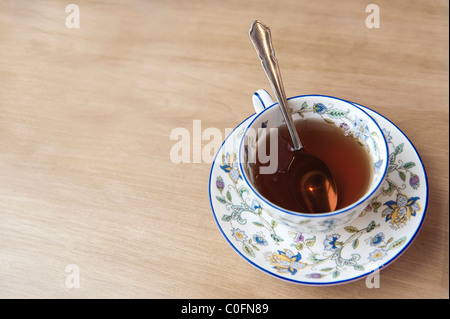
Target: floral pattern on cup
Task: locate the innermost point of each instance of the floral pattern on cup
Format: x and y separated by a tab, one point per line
353	121
402	208
355	126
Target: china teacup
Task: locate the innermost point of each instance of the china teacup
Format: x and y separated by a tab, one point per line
349	118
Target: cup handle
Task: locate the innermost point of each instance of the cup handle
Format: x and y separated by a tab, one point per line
261	100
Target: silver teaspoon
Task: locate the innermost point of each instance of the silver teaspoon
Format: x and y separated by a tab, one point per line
309	179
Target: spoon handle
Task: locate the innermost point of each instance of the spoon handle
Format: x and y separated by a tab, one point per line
262	41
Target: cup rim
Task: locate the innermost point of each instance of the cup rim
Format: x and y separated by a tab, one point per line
309	215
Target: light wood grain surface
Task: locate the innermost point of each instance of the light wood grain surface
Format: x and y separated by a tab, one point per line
85	121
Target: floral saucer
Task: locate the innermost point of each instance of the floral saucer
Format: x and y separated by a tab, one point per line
382	232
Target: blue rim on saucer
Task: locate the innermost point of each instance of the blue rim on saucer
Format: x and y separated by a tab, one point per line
374	240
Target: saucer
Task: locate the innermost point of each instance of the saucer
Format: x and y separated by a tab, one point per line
382	232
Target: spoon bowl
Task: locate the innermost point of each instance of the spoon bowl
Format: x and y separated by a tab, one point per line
311	183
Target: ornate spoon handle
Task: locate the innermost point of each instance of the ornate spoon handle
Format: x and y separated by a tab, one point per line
262	41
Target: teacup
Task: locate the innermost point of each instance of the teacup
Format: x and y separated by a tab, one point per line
345	115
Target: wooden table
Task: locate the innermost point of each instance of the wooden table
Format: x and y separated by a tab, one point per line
86	115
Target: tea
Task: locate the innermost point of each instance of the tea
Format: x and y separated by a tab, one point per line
348	161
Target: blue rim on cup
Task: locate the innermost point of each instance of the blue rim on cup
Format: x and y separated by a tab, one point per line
350	118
